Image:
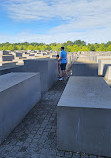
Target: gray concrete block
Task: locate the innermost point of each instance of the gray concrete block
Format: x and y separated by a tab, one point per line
83	116
6	57
8	63
103	65
108	74
17	54
11	68
69	61
97	58
47	69
19	92
84	69
3	52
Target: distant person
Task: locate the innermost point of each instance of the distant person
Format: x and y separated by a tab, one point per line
57	57
63	59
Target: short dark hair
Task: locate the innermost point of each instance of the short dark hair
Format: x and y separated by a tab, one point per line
62	48
57	56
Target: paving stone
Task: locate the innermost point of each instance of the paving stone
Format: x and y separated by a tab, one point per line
35	156
61	153
92	156
68	154
84	156
75	155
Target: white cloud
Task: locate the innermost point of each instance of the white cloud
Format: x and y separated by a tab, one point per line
102	35
88	20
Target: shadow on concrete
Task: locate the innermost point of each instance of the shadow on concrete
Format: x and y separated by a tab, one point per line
84	69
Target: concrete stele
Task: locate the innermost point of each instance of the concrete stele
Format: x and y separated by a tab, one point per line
108	74
102	65
83	116
19	92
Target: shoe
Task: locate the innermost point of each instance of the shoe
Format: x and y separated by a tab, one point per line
60	79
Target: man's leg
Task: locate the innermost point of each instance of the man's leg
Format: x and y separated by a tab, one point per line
64	73
63	67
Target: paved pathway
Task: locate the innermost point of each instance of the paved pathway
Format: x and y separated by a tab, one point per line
35	136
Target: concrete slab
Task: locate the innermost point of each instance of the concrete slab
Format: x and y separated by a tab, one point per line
108	74
3	52
8	63
84	69
97	58
19	92
103	65
69	61
10	68
47	69
6	57
17	54
83	116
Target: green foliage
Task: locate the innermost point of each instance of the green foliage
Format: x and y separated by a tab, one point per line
75	48
70	46
79	43
109	48
92	48
84	48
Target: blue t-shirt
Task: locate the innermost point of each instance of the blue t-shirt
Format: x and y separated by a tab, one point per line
63	56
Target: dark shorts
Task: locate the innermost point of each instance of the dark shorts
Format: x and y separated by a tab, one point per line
63	66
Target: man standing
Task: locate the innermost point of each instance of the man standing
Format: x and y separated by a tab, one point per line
63	59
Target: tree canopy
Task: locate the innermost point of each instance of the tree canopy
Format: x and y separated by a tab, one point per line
70	46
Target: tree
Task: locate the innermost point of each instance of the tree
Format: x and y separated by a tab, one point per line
101	47
24	47
69	48
36	47
70	43
53	44
30	47
44	47
79	42
84	48
91	47
4	48
109	48
11	47
75	48
108	44
19	47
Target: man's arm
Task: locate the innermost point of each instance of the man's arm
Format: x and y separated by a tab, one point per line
60	59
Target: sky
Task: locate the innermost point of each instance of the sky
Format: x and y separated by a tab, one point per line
58	21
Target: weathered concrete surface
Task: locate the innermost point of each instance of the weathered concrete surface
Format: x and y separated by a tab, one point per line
17	54
47	69
19	92
6	57
84	69
3	52
69	60
9	69
36	135
83	116
103	65
108	73
8	63
97	58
